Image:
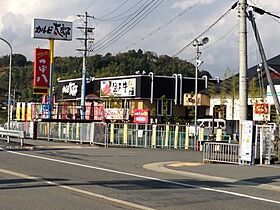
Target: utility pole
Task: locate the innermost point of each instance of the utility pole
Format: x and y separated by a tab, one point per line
86	30
243	66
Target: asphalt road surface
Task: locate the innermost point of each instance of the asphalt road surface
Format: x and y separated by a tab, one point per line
114	178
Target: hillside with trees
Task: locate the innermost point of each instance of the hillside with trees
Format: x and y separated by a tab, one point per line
127	63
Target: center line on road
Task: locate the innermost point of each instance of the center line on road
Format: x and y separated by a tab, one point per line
145	177
96	195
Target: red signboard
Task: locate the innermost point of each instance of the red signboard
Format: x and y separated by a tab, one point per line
261	108
41	68
141	116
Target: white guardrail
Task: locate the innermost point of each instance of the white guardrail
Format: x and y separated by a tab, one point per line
221	152
13	133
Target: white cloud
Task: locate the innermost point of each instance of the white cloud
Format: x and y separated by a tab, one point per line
16	17
184	4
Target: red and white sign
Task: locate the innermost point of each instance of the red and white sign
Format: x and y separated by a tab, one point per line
141	116
41	68
261	112
261	108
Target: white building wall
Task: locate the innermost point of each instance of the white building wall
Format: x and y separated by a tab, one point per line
229	110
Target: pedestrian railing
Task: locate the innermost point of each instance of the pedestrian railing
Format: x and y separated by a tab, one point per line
13	133
151	135
221	152
170	136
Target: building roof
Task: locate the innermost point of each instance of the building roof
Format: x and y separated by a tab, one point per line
273	63
274	66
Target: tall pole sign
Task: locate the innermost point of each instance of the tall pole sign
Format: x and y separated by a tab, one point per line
51	30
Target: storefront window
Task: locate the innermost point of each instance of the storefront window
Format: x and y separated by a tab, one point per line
164	107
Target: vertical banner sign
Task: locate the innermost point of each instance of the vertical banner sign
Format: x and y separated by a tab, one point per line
247	141
29	112
18	111
23	111
41	68
34	111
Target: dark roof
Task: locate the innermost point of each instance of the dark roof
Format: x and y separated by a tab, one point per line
274	66
273	63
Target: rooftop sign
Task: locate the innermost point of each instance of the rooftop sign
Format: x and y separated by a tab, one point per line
51	29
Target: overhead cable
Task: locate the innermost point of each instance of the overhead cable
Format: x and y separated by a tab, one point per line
218	40
119	16
128	26
162	26
262	12
114	10
124	23
211	26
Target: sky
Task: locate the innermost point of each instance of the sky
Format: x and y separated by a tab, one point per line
165	30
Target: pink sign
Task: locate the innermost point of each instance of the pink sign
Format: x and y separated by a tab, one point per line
141	116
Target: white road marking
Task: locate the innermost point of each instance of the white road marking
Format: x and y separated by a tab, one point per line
146	177
96	195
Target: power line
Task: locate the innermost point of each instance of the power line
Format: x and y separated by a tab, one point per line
211	26
222	37
217	41
275	19
89	5
134	23
119	16
122	24
122	32
162	26
114	10
262	11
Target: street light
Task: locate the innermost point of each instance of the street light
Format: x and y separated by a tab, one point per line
10	79
197	44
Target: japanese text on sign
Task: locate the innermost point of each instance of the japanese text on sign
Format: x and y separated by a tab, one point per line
41	68
70	89
52	29
121	87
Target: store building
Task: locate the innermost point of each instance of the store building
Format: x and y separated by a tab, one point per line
118	97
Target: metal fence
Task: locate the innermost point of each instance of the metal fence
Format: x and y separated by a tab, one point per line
27	127
151	135
221	152
265	143
171	136
118	134
168	136
92	133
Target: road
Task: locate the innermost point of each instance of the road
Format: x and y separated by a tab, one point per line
116	178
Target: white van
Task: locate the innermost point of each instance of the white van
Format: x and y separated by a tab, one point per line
207	123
